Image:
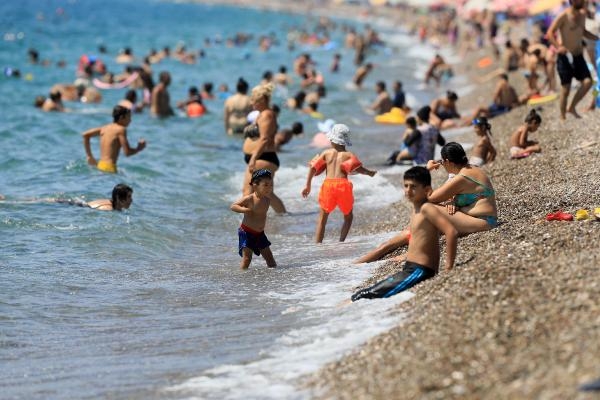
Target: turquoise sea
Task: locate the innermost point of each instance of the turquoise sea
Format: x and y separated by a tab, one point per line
150	303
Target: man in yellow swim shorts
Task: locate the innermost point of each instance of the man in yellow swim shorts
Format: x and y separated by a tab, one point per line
113	137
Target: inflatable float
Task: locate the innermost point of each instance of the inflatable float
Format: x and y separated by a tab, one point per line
395	116
539	99
118	85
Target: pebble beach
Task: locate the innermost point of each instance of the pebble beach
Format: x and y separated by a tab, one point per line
518	317
151	303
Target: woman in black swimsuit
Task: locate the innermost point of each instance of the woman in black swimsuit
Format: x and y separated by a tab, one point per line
259	152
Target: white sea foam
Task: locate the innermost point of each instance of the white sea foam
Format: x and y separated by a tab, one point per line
329	330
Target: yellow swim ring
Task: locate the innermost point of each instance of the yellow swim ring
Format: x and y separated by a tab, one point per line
542	99
395	116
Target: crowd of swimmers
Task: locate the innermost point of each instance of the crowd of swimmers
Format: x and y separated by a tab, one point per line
464	204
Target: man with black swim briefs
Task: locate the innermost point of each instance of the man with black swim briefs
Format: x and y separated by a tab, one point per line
571	25
423	257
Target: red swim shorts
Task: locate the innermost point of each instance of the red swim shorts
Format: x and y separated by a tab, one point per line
336	192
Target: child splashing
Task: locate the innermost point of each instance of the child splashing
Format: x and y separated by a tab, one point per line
484	151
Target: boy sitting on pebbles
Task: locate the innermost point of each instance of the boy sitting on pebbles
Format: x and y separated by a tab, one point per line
423	257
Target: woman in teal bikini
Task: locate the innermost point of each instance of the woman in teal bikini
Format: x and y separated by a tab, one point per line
468	197
468	200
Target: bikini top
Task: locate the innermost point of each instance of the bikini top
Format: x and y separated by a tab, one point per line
348	166
466	199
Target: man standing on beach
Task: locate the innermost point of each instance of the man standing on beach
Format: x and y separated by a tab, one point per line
571	25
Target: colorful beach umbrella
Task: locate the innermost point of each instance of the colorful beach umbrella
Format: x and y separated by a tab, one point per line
515	7
540	6
478	5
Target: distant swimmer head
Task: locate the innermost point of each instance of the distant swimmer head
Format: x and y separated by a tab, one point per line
55	96
242	86
326	125
121	197
8	71
39	101
339	134
259	175
297	128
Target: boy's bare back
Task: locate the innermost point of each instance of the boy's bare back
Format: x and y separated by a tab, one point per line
482	148
334	160
519	137
111	136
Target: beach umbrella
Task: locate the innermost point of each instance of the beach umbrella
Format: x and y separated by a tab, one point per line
516	7
478	5
540	6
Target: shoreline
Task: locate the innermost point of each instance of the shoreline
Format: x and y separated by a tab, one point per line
516	318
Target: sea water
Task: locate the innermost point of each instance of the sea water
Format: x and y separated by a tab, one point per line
150	302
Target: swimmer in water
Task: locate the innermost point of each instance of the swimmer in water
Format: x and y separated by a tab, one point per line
121	200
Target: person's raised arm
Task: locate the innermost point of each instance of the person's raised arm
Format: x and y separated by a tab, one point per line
127	150
446	192
87	135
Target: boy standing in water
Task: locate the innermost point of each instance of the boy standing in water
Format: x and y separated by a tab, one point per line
113	137
423	257
337	189
254	206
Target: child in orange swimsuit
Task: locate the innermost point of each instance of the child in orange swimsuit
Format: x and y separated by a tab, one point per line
336	190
